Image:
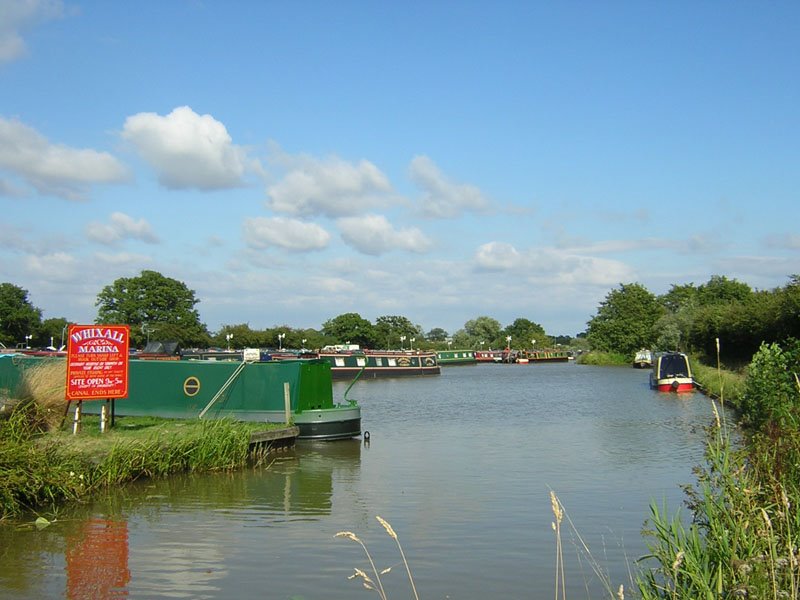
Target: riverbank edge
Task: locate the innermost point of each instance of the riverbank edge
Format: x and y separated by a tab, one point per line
41	472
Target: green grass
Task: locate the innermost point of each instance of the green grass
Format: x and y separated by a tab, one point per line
40	471
604	359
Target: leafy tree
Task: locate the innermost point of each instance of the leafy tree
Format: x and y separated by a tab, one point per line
437	334
788	325
625	320
524	332
18	317
55	329
241	337
721	290
350	328
481	329
680	297
153	303
388	330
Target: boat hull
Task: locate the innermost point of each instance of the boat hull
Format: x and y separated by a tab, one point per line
456	357
254	392
671	373
381	364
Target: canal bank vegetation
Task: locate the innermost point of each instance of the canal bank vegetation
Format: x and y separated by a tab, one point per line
43	464
743	538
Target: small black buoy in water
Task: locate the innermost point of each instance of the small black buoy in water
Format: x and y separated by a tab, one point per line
366	436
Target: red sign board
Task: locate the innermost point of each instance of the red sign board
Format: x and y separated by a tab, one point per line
97	362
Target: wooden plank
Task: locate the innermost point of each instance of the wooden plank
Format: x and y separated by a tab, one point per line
285	434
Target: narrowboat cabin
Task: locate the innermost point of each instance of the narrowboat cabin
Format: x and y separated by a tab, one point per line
671	373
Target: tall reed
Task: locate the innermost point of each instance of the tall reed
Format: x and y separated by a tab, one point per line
374	582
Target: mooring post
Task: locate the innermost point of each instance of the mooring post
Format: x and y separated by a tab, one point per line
287	402
104	417
76	422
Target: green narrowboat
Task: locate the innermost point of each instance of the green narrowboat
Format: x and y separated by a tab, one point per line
456	357
377	363
242	391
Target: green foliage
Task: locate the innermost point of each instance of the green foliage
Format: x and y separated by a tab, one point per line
437	334
526	332
388	330
351	328
153	303
18	317
625	320
771	396
481	329
721	290
745	530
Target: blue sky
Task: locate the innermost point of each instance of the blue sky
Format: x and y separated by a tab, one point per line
293	161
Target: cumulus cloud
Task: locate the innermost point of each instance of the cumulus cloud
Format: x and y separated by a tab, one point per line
549	266
120	227
289	234
374	235
54	169
15	17
57	266
441	198
331	187
187	150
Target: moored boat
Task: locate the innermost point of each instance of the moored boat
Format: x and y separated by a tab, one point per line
243	391
540	356
456	357
671	373
346	364
487	356
643	359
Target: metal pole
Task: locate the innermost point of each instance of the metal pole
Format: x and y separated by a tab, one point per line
287	402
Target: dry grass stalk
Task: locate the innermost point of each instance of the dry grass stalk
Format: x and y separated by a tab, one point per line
44	385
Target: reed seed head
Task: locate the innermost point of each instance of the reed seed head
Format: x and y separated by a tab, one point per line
349	535
556	506
678	560
387	527
621	592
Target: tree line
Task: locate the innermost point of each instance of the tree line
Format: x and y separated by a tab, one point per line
161	308
693	318
688	317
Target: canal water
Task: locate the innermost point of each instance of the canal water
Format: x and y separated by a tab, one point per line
461	465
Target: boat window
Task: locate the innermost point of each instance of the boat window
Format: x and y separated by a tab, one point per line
392	362
378	361
674	366
339	361
361	361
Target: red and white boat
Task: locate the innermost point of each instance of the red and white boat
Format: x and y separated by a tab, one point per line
671	373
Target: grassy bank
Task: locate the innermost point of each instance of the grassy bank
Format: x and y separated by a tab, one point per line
743	536
604	359
42	464
39	471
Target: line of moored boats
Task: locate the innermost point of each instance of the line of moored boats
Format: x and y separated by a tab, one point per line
286	386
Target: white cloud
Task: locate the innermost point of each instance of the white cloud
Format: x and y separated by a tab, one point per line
57	266
290	234
497	256
441	198
187	150
331	187
549	266
54	168
120	227
16	16
374	235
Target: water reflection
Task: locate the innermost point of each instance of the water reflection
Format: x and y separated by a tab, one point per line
172	538
97	560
